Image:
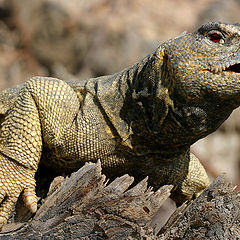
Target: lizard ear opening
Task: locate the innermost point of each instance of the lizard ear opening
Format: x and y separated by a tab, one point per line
152	74
151	89
163	89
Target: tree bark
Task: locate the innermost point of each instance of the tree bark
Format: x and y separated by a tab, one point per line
215	214
84	206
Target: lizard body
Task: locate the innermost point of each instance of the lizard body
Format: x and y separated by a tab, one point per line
140	121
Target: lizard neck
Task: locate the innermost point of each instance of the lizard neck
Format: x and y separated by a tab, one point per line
129	101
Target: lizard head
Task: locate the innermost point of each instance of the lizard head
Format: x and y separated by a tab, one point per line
205	64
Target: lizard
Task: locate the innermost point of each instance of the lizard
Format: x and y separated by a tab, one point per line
140	121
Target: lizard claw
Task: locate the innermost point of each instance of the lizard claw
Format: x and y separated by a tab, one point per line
6	208
2	195
30	199
15	179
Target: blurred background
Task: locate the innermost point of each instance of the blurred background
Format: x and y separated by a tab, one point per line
78	39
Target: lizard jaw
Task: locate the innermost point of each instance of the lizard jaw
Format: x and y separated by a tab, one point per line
233	68
227	68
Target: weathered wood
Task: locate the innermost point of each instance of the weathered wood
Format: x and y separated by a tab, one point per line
215	214
84	206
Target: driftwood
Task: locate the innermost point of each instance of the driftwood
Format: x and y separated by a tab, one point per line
84	206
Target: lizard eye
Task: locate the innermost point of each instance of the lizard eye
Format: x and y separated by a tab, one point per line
216	37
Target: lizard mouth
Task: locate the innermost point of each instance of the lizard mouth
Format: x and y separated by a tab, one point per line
233	68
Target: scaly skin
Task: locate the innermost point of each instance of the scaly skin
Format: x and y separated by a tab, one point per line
140	121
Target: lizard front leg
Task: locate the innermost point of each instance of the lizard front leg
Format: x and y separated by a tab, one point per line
42	109
183	171
14	179
194	178
20	151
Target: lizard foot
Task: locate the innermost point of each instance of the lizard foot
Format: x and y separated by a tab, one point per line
15	179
